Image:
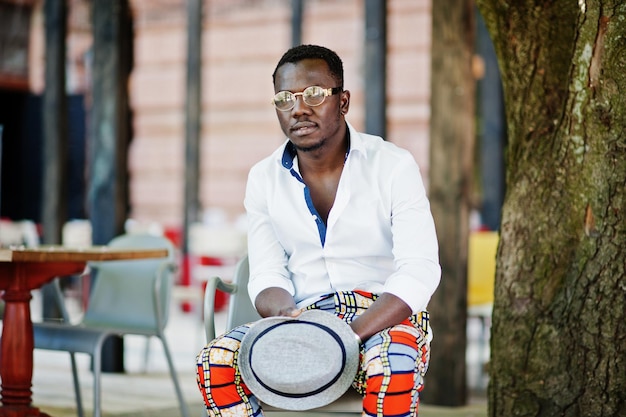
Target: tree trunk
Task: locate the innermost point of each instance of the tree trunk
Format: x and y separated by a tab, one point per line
559	325
451	157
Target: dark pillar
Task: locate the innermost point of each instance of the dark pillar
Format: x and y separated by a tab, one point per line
108	195
376	67
55	123
55	137
297	8
193	115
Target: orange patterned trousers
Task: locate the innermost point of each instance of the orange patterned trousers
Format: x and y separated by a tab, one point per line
393	363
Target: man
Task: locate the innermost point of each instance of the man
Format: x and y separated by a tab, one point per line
337	220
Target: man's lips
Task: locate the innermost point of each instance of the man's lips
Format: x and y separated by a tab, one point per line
303	128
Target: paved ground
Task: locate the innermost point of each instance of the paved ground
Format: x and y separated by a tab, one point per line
149	392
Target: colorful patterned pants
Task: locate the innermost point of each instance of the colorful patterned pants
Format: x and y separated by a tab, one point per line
393	363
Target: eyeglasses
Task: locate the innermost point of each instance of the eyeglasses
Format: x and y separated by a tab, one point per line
312	96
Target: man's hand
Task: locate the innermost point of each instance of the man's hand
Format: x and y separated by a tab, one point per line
290	312
388	310
276	302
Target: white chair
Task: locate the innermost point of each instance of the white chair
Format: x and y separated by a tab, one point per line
18	233
241	311
128	297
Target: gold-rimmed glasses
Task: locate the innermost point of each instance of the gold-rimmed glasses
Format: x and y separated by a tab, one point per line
312	96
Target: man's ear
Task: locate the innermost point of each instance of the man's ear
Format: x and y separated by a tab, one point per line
345	102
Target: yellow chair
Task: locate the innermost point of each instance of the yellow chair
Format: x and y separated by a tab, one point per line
481	271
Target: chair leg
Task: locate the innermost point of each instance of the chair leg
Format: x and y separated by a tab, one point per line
146	354
79	400
179	392
97	372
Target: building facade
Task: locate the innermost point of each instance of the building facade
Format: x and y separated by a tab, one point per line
242	41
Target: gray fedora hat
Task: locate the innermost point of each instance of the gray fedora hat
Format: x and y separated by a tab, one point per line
299	363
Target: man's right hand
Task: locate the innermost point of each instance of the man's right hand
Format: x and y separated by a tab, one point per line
276	302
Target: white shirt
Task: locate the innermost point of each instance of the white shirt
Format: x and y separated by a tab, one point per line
380	234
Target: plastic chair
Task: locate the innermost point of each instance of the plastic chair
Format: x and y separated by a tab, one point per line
241	311
128	298
481	271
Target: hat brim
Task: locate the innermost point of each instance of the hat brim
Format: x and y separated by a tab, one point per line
288	383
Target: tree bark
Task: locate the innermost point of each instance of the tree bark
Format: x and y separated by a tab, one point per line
451	158
558	343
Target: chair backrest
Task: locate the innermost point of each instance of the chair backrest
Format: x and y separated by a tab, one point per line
22	232
240	309
133	295
481	267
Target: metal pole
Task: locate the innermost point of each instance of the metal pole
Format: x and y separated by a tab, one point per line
193	115
297	8
55	146
193	111
55	139
376	67
109	136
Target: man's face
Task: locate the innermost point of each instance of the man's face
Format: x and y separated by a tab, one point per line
309	127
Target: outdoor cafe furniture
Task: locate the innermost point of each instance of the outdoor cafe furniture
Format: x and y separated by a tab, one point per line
129	297
21	271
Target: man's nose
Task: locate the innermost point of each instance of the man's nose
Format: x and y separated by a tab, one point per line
300	106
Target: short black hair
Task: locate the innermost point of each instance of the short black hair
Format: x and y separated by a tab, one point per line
302	52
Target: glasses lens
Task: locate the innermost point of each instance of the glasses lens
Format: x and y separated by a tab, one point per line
314	95
284	100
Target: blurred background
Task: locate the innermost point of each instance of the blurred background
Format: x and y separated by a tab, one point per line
146	115
241	42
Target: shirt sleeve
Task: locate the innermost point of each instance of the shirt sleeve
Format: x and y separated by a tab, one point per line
267	258
415	246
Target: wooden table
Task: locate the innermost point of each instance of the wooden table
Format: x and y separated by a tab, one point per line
21	271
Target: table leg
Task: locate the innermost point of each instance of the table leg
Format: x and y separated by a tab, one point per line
16	356
16	347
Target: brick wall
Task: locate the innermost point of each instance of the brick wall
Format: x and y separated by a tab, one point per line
242	41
